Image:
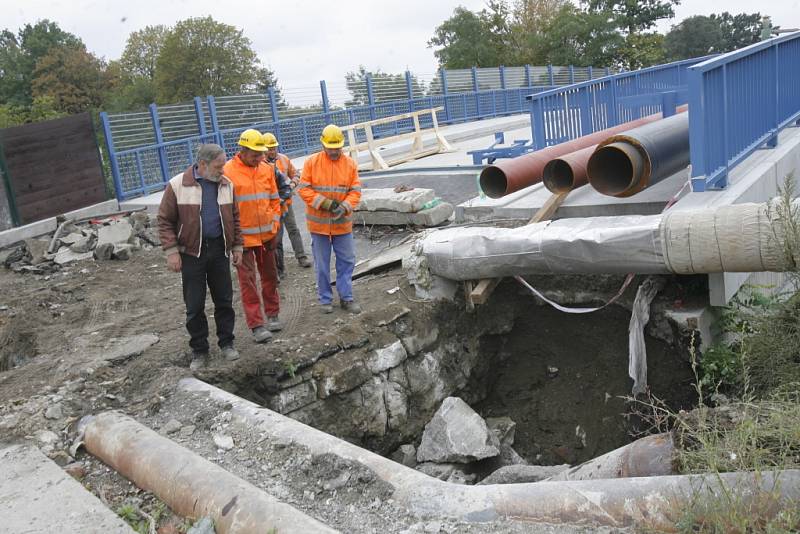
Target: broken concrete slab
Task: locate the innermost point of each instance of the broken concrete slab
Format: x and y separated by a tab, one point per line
84	244
67	255
125	348
406	455
504	428
340	373
430	217
122	251
37	496
71	238
457	434
37	249
387	200
104	251
118	232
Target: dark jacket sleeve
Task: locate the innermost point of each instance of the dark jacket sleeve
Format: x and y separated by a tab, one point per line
168	221
238	240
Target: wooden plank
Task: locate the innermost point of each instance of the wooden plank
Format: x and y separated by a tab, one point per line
549	208
484	288
480	294
393	118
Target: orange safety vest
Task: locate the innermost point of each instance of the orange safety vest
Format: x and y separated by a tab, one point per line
256	196
284	165
338	180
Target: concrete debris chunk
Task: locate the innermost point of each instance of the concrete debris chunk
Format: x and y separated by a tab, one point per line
504	428
67	255
223	441
37	248
406	455
54	411
125	348
122	252
433	216
171	426
114	233
71	239
104	251
457	434
389	200
84	244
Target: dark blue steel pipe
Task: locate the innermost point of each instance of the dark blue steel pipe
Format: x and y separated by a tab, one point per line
627	163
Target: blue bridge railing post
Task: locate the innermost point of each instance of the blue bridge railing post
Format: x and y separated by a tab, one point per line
410	90
571	74
550	75
273	104
326	104
112	155
443	75
697	134
212	113
162	155
201	118
773	141
528	81
537	122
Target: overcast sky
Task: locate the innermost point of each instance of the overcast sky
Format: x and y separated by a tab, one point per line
305	41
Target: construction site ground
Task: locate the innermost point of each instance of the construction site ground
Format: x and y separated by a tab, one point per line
61	327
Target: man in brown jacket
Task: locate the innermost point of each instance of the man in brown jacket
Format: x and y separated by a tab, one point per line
198	223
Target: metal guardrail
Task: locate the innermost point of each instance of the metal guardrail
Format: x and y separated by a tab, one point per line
739	102
576	110
147	148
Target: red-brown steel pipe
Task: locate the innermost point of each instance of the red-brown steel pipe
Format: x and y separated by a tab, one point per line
510	175
568	172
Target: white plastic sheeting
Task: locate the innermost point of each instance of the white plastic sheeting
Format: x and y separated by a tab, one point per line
737	238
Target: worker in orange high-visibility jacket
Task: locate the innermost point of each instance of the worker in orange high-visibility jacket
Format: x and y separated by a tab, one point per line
256	196
330	188
286	170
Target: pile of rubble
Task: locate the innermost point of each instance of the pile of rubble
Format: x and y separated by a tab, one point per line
460	447
111	238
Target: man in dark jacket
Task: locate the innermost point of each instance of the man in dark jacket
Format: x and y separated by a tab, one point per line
198	223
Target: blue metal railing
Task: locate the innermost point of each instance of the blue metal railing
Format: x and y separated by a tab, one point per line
738	102
569	112
139	171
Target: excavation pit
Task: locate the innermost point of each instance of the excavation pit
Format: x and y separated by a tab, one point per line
562	378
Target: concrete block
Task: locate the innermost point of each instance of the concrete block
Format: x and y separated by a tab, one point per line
457	434
430	217
66	255
38	496
387	200
116	233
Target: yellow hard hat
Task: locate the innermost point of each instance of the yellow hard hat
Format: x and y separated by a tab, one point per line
332	137
270	141
253	140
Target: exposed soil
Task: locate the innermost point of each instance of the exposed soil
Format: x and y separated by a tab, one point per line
56	331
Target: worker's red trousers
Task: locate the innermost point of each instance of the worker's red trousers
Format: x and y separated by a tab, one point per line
258	262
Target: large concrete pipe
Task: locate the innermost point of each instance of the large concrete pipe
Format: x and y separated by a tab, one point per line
510	175
648	456
568	172
190	485
735	238
647	502
624	164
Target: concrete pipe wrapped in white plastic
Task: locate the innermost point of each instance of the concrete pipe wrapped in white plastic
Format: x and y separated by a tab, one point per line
736	238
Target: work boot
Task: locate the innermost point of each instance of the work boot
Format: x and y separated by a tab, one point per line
304	262
199	360
261	334
326	308
273	324
351	306
229	353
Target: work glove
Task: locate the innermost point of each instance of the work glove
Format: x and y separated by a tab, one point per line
329	204
339	211
284	185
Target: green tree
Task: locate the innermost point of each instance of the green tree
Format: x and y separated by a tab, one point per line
73	78
531	19
141	52
693	37
201	56
635	16
20	53
739	30
464	41
578	37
